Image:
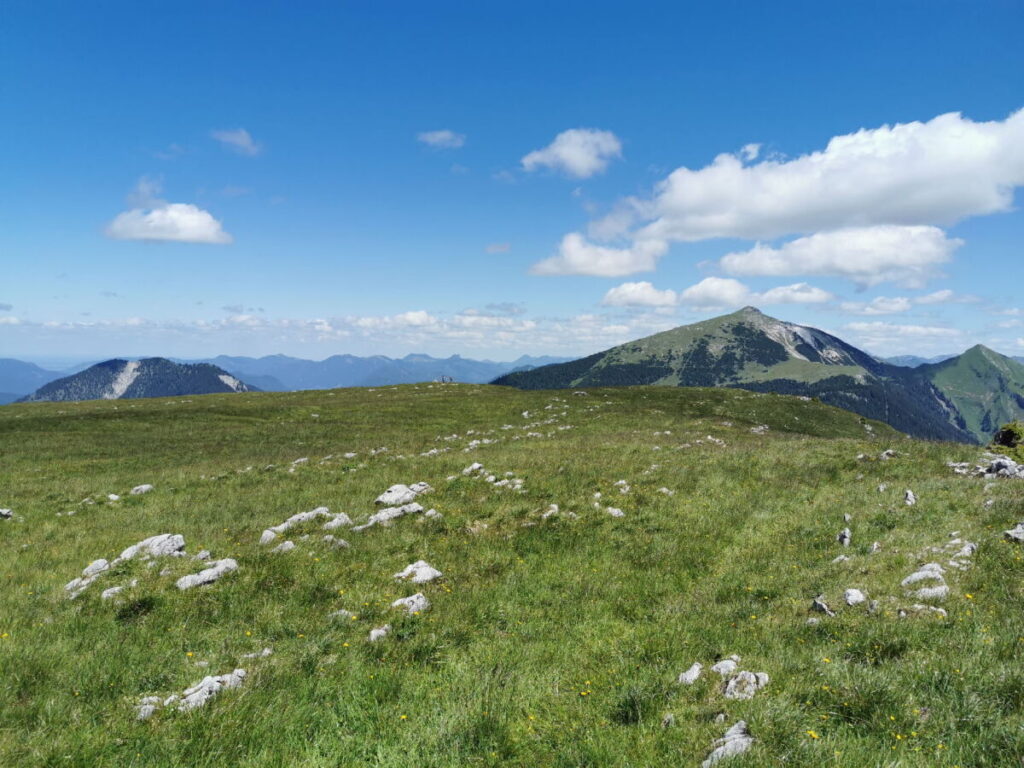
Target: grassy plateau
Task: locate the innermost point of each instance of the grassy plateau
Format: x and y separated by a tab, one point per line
551	641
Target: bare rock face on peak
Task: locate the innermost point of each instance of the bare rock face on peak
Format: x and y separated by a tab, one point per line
751	350
152	377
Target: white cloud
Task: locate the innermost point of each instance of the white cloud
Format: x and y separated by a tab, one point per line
798	293
178	222
498	248
639	295
890	305
8	320
866	255
937	172
578	152
725	292
749	152
154	219
902	331
443	139
238	140
1020	342
938	297
577	256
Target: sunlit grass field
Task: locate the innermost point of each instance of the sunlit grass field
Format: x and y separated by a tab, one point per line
551	641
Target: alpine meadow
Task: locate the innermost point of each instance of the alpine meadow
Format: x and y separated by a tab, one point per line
593	546
506	384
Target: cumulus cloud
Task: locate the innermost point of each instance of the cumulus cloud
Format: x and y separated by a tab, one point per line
238	140
577	256
936	172
749	152
8	320
725	292
866	255
155	219
890	305
578	152
498	248
639	295
443	139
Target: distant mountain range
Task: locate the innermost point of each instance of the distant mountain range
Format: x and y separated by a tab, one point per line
283	373
152	377
913	361
964	398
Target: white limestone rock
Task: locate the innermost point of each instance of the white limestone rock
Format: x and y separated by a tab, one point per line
726	667
745	684
931	571
615	512
736	741
284	546
161	545
200	693
854	597
818	605
419	572
909	498
844	537
413	604
936	593
138	490
267	537
388	514
690	676
340	520
217	569
379	633
1015	534
396	496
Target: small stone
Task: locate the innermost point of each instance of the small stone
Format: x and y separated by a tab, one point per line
419	572
380	633
844	537
267	537
208	575
1015	534
340	520
413	604
396	495
744	685
840	559
284	546
615	512
931	571
668	720
854	597
876	548
736	741
940	592
726	667
138	490
909	498
818	605
690	676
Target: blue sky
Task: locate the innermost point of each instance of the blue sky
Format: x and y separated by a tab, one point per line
494	179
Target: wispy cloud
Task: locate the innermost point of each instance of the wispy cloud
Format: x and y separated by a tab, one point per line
498	248
238	140
442	139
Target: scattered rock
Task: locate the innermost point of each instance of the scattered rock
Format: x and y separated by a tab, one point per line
419	572
844	537
745	684
736	741
6	514
887	454
284	546
876	548
258	654
209	575
615	512
726	667
690	676
931	571
840	559
1015	534
818	605
413	604
397	495
854	597
380	633
909	498
191	698
386	515
138	490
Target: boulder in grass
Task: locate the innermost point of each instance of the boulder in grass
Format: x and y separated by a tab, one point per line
138	490
736	741
217	569
413	604
745	684
419	572
690	676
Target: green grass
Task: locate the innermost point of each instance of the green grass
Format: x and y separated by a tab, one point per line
550	642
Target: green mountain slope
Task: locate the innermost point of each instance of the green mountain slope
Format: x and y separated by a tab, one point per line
751	350
550	640
987	388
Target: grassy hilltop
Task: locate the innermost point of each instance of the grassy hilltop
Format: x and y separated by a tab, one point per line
551	641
